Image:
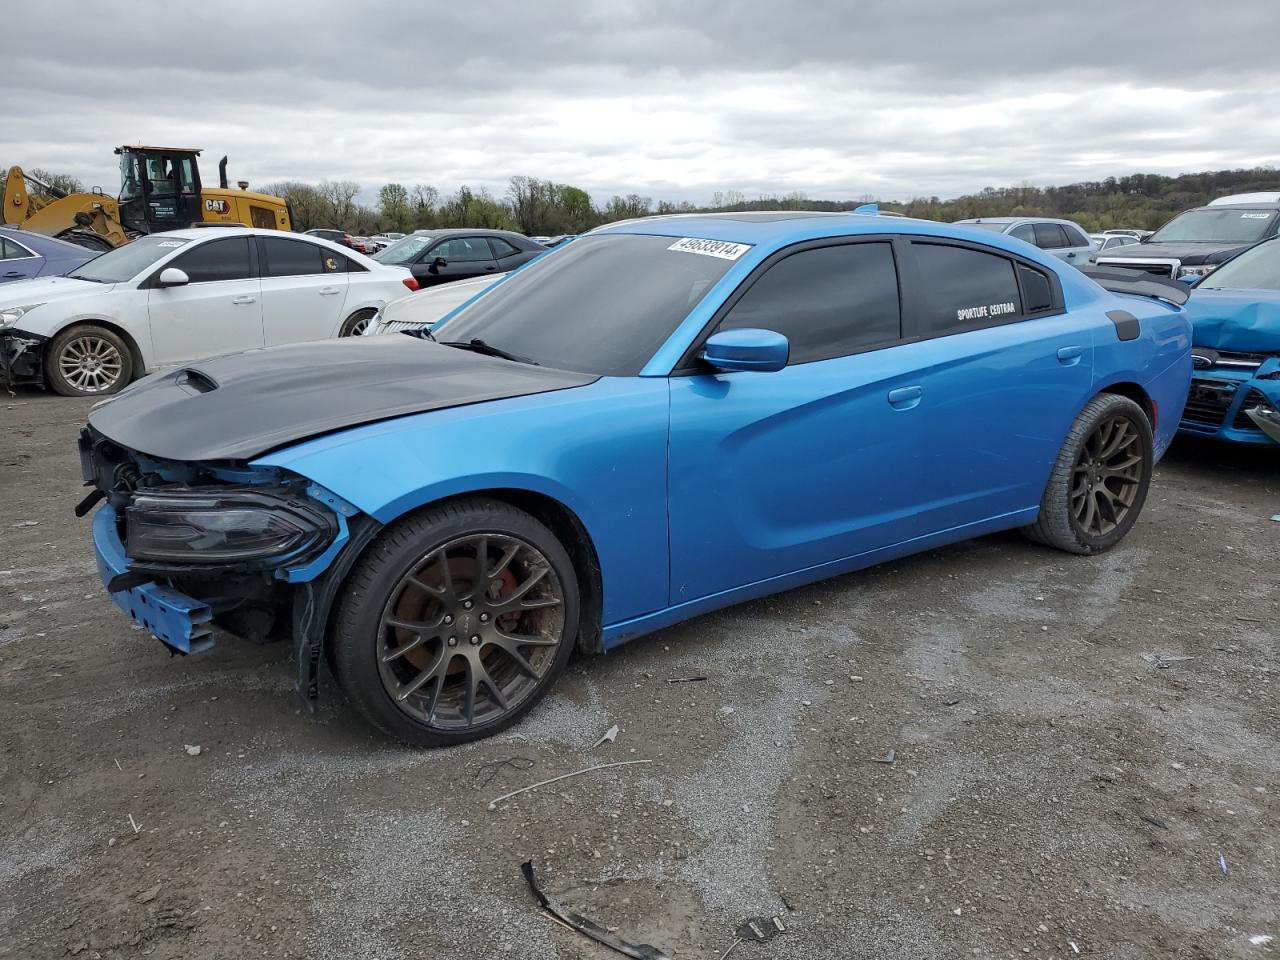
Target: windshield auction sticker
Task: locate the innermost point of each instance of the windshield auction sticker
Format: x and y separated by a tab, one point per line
711	248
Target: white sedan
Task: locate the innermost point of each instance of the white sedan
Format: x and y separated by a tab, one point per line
172	298
425	308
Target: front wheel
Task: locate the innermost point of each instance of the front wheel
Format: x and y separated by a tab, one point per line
87	361
456	623
1100	479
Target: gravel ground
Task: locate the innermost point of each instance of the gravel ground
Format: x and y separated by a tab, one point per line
1052	792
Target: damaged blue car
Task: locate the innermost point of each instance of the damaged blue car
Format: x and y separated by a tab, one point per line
662	418
1235	315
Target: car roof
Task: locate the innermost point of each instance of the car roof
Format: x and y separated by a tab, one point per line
45	245
780	227
469	231
1245	205
1018	220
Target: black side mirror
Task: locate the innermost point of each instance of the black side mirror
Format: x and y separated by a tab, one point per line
439	262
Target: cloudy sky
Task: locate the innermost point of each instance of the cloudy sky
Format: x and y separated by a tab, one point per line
672	99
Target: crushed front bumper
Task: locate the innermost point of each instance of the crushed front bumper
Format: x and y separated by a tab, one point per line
1221	398
180	622
21	356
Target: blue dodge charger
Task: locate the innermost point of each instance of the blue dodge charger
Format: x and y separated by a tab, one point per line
664	417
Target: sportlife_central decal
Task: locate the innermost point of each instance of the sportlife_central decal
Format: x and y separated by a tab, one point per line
711	248
987	310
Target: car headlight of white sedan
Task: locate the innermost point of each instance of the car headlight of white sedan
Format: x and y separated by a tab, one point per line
11	315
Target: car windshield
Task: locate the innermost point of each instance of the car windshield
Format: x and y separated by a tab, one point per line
998	227
1255	269
125	263
600	305
404	251
1215	226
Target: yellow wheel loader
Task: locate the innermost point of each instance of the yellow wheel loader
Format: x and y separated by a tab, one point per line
160	189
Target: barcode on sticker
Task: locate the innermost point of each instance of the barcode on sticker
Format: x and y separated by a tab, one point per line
1255	216
711	248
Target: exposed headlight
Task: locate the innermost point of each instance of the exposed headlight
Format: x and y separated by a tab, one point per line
11	315
213	526
1198	271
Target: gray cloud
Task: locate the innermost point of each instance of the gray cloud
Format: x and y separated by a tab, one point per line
670	98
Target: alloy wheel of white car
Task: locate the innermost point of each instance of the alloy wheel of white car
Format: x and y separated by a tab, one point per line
87	361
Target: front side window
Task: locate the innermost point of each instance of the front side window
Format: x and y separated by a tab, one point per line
964	289
1216	226
828	301
291	258
1074	237
226	259
125	263
462	250
1255	269
556	311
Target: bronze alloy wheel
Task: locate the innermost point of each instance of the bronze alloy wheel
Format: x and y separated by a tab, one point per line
470	630
1107	476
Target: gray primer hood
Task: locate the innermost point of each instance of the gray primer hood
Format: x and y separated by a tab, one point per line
243	405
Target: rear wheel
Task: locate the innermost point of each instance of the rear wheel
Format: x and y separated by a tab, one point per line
87	361
1099	482
456	623
356	324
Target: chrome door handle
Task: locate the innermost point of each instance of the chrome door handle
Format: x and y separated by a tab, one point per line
240	300
904	398
328	291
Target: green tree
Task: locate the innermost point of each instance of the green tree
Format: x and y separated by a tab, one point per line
393	205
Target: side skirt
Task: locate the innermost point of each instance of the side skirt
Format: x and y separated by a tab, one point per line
619	633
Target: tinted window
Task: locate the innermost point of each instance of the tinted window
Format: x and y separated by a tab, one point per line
1074	237
293	258
217	260
827	302
501	248
963	289
1024	231
462	250
1037	291
405	250
1049	236
13	251
557	311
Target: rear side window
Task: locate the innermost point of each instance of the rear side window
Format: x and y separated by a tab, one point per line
1049	236
13	251
296	258
1074	237
1024	231
1037	291
502	248
964	289
217	260
828	301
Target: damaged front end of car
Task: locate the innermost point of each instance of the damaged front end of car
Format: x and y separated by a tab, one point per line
21	358
185	547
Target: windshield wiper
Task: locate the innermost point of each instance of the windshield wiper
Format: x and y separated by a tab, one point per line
476	345
72	276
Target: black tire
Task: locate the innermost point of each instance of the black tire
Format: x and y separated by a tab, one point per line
410	629
355	324
1100	479
88	361
87	239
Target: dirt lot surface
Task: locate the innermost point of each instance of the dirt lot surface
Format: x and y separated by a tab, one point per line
1053	793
